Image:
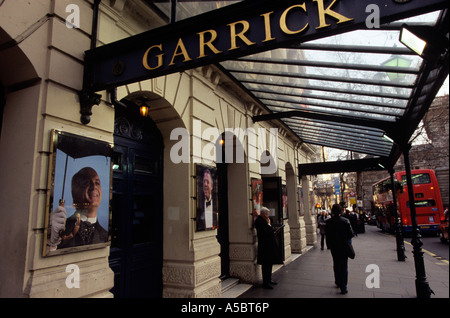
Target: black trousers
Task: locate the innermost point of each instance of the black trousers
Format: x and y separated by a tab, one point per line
266	273
322	240
340	267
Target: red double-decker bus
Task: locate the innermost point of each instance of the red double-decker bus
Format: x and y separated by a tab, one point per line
427	199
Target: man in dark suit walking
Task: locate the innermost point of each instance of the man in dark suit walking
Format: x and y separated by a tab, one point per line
338	232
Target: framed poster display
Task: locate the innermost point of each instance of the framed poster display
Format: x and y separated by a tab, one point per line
284	198
257	197
78	194
207	197
300	199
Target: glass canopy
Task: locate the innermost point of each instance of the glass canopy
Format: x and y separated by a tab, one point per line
347	91
332	86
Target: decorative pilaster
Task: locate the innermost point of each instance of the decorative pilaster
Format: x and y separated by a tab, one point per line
298	237
243	262
197	280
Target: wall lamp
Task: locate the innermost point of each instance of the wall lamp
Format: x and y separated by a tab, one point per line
143	110
425	41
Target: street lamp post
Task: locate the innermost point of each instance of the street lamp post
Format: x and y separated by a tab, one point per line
398	225
423	289
400	62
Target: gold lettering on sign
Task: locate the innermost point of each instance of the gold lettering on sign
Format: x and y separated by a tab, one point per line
330	12
267	28
183	51
159	58
241	35
209	44
208	39
283	24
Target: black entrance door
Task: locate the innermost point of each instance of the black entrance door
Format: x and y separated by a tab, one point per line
136	247
223	231
273	199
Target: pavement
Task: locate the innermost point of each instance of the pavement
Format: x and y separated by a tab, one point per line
374	273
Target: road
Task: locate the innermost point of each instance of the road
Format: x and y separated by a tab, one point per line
434	245
431	245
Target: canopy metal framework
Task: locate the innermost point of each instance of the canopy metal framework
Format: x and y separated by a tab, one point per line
349	91
352	86
361	91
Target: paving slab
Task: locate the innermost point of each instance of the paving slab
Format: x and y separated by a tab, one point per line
310	275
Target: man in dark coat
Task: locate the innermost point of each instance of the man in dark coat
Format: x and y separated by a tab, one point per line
267	246
338	232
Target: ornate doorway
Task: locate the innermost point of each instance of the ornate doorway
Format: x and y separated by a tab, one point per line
137	205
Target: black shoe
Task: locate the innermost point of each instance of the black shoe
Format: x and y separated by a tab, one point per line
267	286
343	292
273	283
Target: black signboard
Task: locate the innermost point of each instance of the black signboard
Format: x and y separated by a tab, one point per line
237	30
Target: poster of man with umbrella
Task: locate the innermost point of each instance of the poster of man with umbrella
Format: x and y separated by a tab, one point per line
78	204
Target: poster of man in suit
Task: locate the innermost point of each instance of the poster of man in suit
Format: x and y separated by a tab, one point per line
79	199
207	197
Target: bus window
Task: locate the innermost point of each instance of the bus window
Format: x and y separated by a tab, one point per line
423	203
421	178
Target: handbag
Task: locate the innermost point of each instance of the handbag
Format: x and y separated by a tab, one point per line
350	250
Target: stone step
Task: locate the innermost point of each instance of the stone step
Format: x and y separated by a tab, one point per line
229	283
232	288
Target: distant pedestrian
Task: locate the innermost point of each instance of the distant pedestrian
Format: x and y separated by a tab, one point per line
321	224
353	218
267	247
338	233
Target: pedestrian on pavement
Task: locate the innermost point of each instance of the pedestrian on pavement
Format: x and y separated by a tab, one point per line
353	218
321	224
338	232
267	247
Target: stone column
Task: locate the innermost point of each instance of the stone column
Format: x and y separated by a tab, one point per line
310	219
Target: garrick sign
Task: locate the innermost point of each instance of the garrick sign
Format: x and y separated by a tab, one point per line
237	30
239	34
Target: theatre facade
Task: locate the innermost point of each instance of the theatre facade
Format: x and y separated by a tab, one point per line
140	138
177	184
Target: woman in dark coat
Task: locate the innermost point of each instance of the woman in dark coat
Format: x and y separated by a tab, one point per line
267	246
